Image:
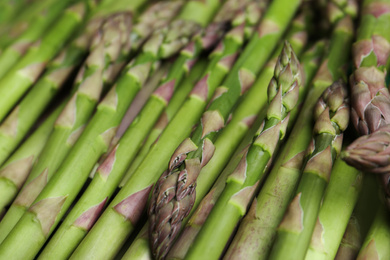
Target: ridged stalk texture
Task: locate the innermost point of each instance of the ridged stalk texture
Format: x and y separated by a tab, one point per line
338	203
163	44
351	241
110	172
376	243
250	16
15	83
331	114
18	123
227	140
370	96
106	48
268	208
221	59
16	169
283	92
36	28
149	170
200	215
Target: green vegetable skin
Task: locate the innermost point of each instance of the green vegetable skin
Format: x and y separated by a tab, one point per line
221	59
268	208
139	185
153	51
108	42
283	92
36	28
376	243
27	70
199	216
370	96
106	179
332	116
16	169
338	203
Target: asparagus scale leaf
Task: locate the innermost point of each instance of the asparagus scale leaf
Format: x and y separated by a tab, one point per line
332	116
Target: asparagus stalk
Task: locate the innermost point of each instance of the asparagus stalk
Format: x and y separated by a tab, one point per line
370	97
140	184
310	62
96	137
376	243
109	41
283	94
268	208
351	242
140	246
106	179
332	114
251	16
21	119
15	170
213	76
338	203
20	46
27	70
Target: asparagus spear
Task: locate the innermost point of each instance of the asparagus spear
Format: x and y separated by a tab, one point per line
200	215
21	119
107	44
370	97
283	94
376	243
213	76
268	208
251	16
94	140
338	203
134	194
16	169
20	46
242	124
351	242
295	230
27	70
83	214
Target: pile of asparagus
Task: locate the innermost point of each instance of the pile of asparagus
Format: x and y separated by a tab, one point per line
172	129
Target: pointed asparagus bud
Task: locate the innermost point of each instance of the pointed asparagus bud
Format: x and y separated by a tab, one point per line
370	100
172	200
156	16
370	153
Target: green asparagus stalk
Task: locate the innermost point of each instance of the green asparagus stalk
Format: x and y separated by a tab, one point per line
351	242
140	246
250	16
106	179
268	208
295	230
12	30
376	243
108	42
131	200
21	119
27	70
35	226
20	46
213	76
9	10
199	217
338	203
15	170
241	185
370	97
